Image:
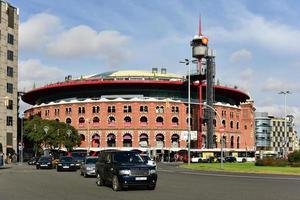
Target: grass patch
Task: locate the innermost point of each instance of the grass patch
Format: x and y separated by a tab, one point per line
244	168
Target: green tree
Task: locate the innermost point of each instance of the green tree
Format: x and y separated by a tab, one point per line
56	136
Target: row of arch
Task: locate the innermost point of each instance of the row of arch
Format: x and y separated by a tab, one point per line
226	144
127	119
128	139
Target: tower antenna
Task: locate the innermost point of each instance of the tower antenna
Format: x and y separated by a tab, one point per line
200	26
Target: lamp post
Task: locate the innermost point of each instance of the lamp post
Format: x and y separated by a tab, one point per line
285	93
46	129
187	62
21	145
88	134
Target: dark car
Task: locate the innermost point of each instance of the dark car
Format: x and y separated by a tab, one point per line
79	157
66	163
32	161
44	162
123	169
230	159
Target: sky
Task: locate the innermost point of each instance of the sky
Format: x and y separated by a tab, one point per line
257	42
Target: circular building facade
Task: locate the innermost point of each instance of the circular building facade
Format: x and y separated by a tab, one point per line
141	110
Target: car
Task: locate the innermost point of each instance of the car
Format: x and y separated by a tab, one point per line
66	163
230	159
44	162
32	161
87	167
79	157
123	169
148	160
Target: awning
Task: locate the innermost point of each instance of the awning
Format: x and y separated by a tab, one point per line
127	137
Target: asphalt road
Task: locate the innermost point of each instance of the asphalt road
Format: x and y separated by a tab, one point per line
27	183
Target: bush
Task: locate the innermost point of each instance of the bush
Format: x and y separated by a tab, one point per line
271	162
294	157
297	164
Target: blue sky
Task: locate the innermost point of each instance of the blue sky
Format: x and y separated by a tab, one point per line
257	42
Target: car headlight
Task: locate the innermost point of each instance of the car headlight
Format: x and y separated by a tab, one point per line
125	172
48	163
71	164
152	171
89	168
59	164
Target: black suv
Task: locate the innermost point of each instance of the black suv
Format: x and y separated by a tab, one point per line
123	169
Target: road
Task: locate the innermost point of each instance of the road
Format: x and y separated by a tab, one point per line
26	183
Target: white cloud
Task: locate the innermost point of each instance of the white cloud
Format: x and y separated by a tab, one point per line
84	41
278	111
32	72
242	55
244	82
272	84
37	30
248	28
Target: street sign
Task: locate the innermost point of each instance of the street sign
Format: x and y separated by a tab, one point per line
185	135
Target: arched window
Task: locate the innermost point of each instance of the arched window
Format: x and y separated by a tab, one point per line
68	121
57	120
81	121
159	121
175	140
111	140
96	120
96	140
215	122
111	120
159	109
127	140
224	142
191	121
237	125
231	124
203	141
175	121
160	138
232	142
215	141
127	120
238	142
143	140
224	123
143	120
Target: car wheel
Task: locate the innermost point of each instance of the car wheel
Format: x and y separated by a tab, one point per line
37	167
81	173
100	181
151	187
115	183
57	169
84	175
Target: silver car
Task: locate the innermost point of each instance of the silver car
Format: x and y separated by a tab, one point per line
87	167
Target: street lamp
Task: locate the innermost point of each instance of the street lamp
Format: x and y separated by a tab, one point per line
46	129
285	93
21	145
187	62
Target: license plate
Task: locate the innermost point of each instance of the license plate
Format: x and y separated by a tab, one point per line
140	178
44	165
65	167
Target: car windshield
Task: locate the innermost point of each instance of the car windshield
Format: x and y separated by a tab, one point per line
44	159
127	157
66	159
91	160
146	158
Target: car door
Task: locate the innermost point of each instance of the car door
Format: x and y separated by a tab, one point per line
108	168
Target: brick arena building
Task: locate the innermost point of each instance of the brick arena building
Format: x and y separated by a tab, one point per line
141	110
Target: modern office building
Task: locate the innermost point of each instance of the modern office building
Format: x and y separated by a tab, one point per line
9	26
141	110
262	131
281	143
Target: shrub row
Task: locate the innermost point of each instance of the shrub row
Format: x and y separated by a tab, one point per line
271	162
